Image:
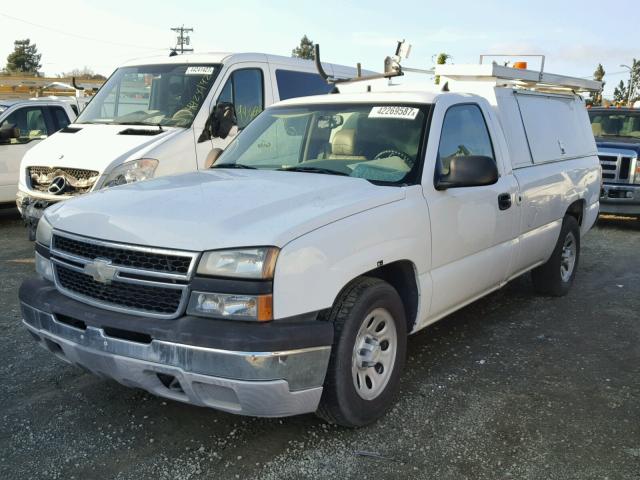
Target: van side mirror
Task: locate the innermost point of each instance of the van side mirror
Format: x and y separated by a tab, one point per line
468	171
9	132
220	123
223	119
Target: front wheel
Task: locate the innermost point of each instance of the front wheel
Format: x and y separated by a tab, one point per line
556	276
368	353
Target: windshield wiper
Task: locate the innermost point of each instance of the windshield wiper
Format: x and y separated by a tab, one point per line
234	165
617	135
327	171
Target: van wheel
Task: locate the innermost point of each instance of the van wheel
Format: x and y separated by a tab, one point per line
368	353
556	276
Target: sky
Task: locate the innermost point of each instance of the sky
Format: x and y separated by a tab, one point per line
573	35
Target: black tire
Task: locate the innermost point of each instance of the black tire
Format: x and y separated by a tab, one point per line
547	278
341	404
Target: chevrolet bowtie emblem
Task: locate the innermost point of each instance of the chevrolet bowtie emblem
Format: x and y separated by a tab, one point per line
101	270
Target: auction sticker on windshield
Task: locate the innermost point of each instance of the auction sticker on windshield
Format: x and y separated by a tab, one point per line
199	71
389	111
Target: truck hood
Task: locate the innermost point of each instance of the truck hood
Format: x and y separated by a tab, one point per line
95	147
619	142
219	208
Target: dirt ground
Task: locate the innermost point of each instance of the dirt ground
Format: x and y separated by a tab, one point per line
513	386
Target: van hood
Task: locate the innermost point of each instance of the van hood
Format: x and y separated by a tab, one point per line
95	147
219	208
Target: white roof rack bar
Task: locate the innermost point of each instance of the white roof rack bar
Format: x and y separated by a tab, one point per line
524	78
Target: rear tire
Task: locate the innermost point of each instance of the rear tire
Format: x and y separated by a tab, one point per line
555	277
367	355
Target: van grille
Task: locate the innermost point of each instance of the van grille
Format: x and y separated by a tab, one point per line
617	168
141	298
77	180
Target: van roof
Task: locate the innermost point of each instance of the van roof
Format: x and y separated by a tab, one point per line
216	57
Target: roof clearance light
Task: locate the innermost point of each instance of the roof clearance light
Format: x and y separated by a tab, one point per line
520	65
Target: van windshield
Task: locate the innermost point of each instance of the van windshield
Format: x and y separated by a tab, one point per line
380	143
615	123
151	95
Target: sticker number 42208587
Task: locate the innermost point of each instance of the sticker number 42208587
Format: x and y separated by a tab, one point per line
390	111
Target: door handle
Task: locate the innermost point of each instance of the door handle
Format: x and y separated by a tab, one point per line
504	201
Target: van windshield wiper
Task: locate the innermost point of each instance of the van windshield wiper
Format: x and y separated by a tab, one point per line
234	165
327	171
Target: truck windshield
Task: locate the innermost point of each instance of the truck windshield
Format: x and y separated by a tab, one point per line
151	95
615	123
380	143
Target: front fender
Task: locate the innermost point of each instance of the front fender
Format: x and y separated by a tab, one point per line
312	269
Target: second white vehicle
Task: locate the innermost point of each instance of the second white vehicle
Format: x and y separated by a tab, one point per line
286	279
158	116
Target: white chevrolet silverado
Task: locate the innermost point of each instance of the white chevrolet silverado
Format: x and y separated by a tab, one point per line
287	278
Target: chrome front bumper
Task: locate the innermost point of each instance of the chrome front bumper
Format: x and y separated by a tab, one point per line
267	384
620	199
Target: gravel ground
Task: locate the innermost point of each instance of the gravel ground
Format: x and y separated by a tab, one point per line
513	386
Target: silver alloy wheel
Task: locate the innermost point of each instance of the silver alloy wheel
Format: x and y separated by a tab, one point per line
568	257
374	354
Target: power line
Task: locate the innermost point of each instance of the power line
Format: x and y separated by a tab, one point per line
182	39
62	32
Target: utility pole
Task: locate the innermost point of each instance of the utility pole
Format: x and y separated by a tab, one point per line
629	93
182	39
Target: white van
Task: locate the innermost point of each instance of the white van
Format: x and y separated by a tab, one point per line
286	279
153	117
24	124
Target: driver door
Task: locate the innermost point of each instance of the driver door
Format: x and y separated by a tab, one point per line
242	85
31	122
472	227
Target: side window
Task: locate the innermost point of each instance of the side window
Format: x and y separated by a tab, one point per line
29	122
293	84
60	118
464	132
245	89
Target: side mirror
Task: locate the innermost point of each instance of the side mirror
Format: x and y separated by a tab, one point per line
212	157
223	119
7	133
468	171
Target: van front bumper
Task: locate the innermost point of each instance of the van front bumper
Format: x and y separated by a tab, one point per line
260	382
620	199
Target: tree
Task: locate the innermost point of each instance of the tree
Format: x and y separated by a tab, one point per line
305	49
24	58
620	93
441	59
598	75
83	74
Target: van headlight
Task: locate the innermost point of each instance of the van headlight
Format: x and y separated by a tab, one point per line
248	263
44	232
130	172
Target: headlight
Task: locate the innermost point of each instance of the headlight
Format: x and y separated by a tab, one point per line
44	267
257	308
130	172
250	263
44	232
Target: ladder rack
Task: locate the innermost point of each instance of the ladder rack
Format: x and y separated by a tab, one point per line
517	77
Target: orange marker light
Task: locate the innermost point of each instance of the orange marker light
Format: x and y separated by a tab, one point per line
265	308
520	65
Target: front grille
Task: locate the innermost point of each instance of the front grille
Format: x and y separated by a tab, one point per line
158	262
143	298
77	180
617	168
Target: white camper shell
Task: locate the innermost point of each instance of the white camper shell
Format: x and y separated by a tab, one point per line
153	117
285	279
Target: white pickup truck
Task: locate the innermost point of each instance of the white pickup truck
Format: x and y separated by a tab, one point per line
286	279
